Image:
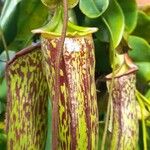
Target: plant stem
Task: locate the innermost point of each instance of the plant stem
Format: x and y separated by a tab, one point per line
108	105
57	89
4	43
106	124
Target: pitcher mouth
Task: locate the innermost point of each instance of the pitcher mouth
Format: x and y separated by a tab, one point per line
126	68
54	27
73	31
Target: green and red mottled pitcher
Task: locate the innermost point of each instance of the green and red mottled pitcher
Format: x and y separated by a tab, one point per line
77	104
27	95
124	127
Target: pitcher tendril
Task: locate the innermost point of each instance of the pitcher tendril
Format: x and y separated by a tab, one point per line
58	59
108	105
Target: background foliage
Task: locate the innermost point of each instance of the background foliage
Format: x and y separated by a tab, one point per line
117	20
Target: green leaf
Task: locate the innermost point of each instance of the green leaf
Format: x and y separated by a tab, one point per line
141	55
140	49
8	10
32	14
8	20
89	8
129	8
114	20
102	34
102	5
18	18
144	71
143	26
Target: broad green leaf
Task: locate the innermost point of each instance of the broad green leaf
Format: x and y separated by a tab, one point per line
143	26
129	8
140	49
102	5
108	27
102	34
144	71
114	20
141	55
89	8
1	6
32	14
8	9
8	20
18	18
